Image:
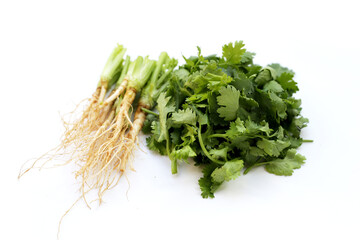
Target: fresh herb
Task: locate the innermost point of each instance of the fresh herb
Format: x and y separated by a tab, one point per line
230	115
227	113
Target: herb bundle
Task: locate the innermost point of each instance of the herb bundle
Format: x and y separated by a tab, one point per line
100	141
227	113
230	115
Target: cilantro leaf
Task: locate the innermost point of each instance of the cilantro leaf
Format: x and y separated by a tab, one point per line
164	109
286	166
247	58
256	152
219	153
148	122
156	146
253	128
205	182
285	76
278	105
186	116
229	100
296	125
229	171
287	82
189	134
175	136
213	114
183	153
272	147
233	53
280	69
263	77
237	129
243	83
273	86
210	78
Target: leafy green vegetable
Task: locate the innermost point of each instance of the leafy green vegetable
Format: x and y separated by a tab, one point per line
186	116
229	102
272	147
229	171
285	166
230	116
163	112
233	54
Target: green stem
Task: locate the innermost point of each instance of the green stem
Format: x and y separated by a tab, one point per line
219	135
173	160
159	64
113	65
149	111
149	92
139	72
164	76
173	166
160	90
308	140
204	149
123	72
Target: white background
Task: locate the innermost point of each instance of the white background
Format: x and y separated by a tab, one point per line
51	55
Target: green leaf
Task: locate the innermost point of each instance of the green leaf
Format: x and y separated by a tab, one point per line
279	134
247	57
273	86
148	122
229	171
175	136
214	117
280	69
295	142
247	102
253	70
211	77
205	182
263	77
183	153
203	119
240	132
186	116
233	53
156	130
287	82
256	152
285	76
278	105
189	134
237	129
286	166
154	145
253	128
272	147
164	109
176	90
229	100
243	83
272	106
219	153
297	124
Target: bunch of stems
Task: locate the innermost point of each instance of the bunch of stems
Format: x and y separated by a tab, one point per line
101	141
